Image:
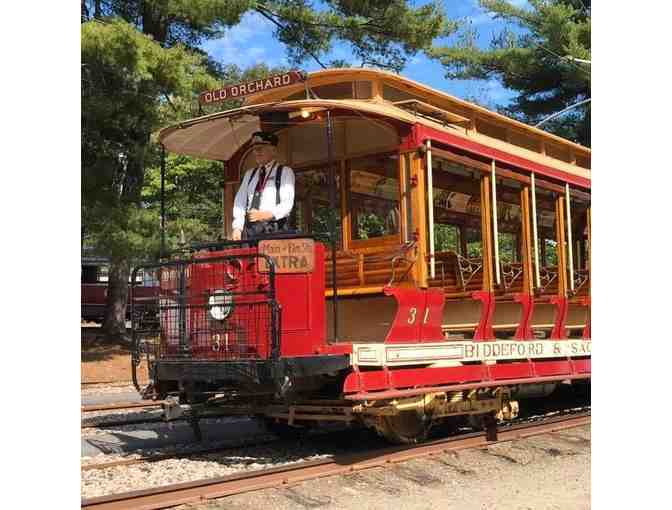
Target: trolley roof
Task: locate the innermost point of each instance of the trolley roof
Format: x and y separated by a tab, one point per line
377	95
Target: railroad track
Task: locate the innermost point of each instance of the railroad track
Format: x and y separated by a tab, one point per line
149	420
253	441
111	383
122	405
121	423
203	490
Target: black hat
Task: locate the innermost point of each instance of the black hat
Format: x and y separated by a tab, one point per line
264	138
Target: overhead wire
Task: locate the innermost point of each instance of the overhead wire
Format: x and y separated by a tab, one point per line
564	59
557	114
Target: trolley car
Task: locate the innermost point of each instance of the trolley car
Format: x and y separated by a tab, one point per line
94	288
441	265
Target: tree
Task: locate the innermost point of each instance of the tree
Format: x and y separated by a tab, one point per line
141	68
193	187
538	62
382	33
126	76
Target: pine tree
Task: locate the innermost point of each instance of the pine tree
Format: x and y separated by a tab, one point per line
142	67
538	63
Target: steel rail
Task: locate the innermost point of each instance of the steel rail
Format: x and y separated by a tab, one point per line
121	405
111	383
253	441
121	423
203	490
152	419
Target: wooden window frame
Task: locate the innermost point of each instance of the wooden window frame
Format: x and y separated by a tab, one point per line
483	167
306	167
376	242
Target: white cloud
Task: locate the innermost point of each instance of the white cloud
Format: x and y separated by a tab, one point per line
240	44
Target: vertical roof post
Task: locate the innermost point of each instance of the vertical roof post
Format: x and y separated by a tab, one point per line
430	204
163	202
494	220
537	278
332	218
569	239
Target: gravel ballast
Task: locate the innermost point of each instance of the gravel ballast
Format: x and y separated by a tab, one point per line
153	474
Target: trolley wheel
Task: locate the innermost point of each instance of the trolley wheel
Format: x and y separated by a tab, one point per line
407	427
581	390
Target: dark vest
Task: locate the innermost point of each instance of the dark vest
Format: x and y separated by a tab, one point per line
254	229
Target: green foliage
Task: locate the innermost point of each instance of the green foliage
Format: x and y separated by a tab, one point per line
323	215
533	63
370	224
474	250
127	79
142	68
507	247
474	246
446	237
193	198
551	247
381	33
173	22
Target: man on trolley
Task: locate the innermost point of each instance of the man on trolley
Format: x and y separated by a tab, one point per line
266	195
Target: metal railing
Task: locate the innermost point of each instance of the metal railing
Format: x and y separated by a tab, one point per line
209	308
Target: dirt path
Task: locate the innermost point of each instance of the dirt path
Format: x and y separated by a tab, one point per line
103	363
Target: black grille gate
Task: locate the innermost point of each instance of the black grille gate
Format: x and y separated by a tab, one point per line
212	309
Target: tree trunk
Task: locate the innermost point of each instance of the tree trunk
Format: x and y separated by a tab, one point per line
114	324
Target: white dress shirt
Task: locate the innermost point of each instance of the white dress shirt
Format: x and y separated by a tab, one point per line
268	197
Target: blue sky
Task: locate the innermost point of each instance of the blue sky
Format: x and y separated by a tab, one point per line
252	41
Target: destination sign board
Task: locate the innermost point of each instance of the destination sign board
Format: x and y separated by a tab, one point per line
251	87
469	351
289	255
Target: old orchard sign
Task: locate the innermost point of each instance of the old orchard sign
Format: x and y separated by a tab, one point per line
289	255
251	87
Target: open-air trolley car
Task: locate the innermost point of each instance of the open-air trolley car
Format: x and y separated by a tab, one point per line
440	265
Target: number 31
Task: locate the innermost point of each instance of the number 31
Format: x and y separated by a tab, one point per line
412	314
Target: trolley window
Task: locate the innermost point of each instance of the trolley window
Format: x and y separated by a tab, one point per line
89	274
374	197
474	243
311	205
447	237
340	90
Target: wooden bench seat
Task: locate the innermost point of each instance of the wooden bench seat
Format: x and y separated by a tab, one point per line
469	327
458	276
371	268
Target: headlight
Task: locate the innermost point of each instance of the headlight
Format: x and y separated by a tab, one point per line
220	304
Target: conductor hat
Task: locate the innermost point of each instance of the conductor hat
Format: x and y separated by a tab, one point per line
264	138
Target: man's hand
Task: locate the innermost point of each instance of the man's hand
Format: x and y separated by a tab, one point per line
256	215
235	236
